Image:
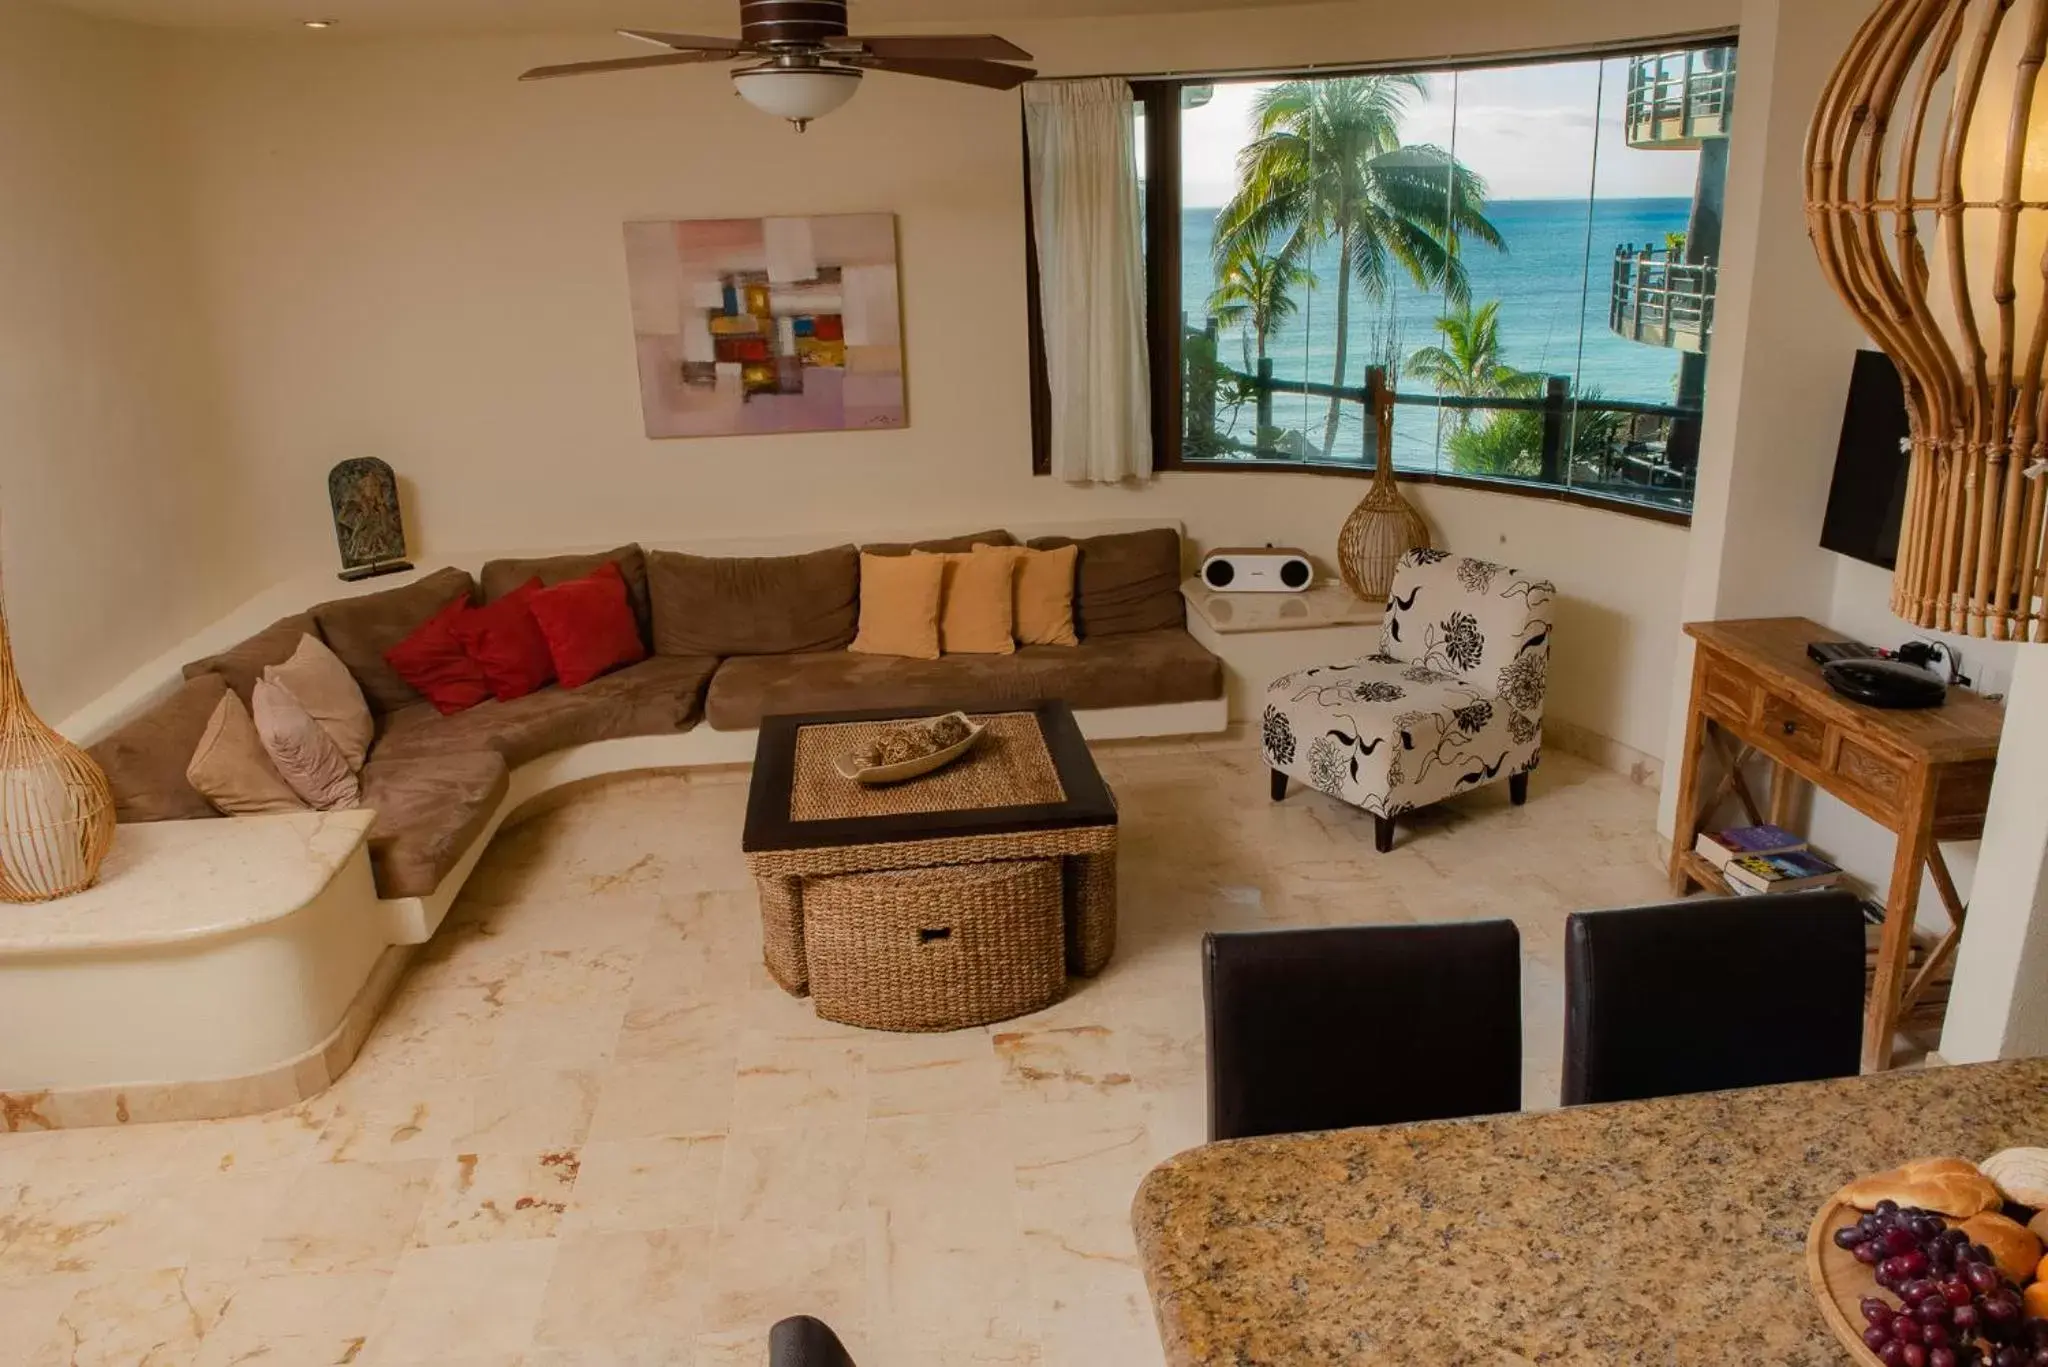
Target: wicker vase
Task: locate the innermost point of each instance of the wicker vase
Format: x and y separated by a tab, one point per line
56	810
1384	526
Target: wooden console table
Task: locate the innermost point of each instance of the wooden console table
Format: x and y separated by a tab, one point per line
1923	775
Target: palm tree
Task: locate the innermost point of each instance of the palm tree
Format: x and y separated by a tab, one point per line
1468	364
1327	165
1256	287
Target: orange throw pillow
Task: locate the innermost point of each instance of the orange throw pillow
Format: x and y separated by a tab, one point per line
899	605
1045	597
977	606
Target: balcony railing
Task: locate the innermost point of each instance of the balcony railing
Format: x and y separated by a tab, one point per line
1643	453
1659	301
1677	98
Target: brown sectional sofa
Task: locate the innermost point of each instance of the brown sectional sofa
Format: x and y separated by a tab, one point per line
733	640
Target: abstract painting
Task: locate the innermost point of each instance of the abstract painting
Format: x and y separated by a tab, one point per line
754	325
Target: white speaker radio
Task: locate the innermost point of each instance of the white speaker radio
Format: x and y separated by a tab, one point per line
1261	569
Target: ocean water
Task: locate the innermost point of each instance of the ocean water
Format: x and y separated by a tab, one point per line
1552	279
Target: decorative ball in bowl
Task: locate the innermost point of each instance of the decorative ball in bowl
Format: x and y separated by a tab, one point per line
910	750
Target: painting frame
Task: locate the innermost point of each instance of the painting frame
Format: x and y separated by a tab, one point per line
767	326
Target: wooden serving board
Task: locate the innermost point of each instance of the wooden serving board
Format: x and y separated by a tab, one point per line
1840	1282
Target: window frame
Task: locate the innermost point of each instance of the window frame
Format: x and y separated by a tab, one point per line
1160	95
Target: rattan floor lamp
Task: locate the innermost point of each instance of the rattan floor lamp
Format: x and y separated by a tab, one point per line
56	810
1927	197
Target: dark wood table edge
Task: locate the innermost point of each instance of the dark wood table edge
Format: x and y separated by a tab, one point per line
769	828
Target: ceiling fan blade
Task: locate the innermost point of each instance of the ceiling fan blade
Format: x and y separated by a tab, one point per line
542	73
949	47
682	42
993	75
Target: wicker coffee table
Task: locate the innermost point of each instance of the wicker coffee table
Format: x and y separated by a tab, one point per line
955	899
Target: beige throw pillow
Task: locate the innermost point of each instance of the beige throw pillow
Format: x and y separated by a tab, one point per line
976	601
899	605
305	755
321	683
1045	597
231	769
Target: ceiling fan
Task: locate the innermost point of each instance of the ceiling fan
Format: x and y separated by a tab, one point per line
808	65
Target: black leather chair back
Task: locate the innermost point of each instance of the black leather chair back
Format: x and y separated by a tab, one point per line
1361	1025
1714	993
802	1341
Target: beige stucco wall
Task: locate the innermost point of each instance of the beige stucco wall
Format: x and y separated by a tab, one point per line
411	255
116	509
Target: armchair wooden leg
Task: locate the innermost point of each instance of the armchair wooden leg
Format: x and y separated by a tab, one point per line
1383	833
1279	785
1518	787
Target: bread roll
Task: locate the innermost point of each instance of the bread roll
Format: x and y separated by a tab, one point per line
2015	1248
1948	1186
2022	1174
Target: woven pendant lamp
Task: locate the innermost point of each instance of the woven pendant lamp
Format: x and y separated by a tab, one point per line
1927	199
56	810
1384	526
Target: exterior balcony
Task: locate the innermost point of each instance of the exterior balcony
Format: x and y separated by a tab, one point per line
1663	302
1676	100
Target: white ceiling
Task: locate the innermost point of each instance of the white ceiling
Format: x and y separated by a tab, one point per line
712	16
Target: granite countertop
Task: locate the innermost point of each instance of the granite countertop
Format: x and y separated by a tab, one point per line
1666	1232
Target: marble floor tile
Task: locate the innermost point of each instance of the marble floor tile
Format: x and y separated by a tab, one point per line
340	1214
949	1073
461	1301
632	1298
317	1319
159	1316
590	1132
495	1197
647	1184
801	1176
689	1096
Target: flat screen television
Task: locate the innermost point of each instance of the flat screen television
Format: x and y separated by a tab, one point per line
1868	498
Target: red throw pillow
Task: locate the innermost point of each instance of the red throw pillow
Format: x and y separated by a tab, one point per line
506	643
434	662
589	625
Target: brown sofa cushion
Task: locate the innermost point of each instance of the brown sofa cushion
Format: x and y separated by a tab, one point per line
754	606
1128	581
360	630
655	697
145	760
945	545
500	577
429	812
243	664
1128	670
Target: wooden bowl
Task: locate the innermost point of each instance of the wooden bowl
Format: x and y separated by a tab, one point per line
1840	1282
912	768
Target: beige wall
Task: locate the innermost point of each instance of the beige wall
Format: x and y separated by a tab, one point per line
113	486
413	256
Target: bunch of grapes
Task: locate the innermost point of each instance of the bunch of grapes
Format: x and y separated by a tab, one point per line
1956	1309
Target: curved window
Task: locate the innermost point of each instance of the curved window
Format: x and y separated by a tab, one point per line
1526	253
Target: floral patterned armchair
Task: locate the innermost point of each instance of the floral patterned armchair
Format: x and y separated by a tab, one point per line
1452	701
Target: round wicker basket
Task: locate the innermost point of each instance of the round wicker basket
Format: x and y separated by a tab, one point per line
1384	526
56	808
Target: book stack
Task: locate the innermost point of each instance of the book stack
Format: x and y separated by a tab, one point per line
1759	860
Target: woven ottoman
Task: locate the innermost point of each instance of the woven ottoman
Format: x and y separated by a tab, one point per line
939	948
956	899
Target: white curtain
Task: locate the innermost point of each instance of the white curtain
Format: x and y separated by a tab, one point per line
1091	271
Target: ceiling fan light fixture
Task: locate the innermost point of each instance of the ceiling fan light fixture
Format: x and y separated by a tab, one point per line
796	93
